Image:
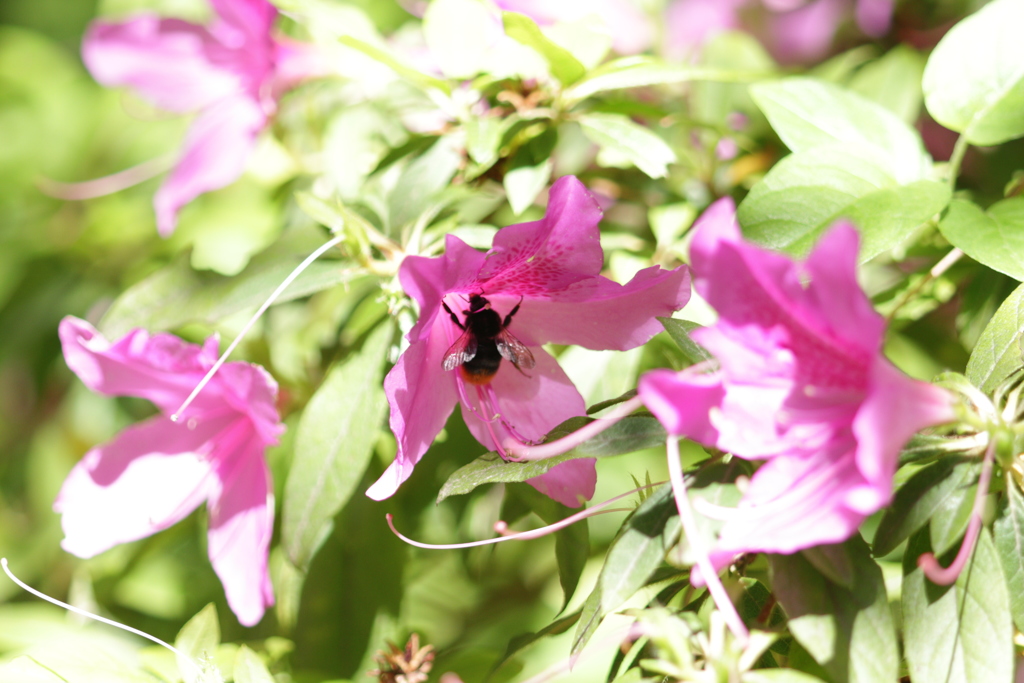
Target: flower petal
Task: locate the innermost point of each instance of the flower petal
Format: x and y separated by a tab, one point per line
683	401
161	367
148	478
241	524
533	405
421	395
176	65
427	280
805	34
581	313
531	259
570	483
689	23
214	155
874	16
254	18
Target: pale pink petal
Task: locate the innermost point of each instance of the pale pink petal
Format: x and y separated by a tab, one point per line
581	313
683	401
805	34
241	525
570	483
176	65
690	23
160	368
895	407
632	30
253	17
874	16
422	395
149	477
532	259
214	155
534	403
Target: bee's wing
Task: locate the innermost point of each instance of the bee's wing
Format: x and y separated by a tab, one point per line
461	352
513	350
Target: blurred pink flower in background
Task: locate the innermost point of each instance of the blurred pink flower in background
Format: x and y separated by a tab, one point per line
232	72
152	475
801	383
553	267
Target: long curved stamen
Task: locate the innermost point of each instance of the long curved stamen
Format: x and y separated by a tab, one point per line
252	321
182	657
944	576
489	421
567	443
100	187
522	535
715	587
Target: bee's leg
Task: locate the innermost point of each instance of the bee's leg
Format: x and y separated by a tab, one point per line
455	318
508	318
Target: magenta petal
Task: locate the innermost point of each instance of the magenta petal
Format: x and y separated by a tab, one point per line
253	17
214	155
895	407
176	65
683	401
805	34
570	483
533	405
531	259
421	395
422	279
874	16
148	478
580	314
241	525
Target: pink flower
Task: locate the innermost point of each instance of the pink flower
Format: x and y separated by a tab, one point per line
795	30
630	29
551	270
802	385
232	72
155	473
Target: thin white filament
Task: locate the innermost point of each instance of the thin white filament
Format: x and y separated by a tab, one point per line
522	535
252	321
714	584
95	617
100	187
521	451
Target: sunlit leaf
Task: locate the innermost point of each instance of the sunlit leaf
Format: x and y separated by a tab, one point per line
249	668
1008	534
640	145
998	354
523	29
994	237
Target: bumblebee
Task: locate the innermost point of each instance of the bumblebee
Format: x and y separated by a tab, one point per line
485	340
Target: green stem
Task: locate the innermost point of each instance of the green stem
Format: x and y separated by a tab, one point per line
959	150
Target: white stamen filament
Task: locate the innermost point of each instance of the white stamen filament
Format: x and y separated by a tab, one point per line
101	187
567	443
252	321
182	657
522	535
714	584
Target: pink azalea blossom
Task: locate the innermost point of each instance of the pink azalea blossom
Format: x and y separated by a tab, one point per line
153	474
801	384
232	72
794	30
631	31
551	269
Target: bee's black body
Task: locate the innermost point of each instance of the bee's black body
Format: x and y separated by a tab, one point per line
484	342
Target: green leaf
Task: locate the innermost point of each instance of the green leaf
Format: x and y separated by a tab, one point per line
807	192
1008	533
998	354
249	668
632	559
779	676
994	237
572	544
176	294
974	79
524	183
635	72
630	434
849	631
458	35
940	485
961	633
680	331
408	73
642	147
423	179
894	81
523	29
808	113
335	440
197	642
521	643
